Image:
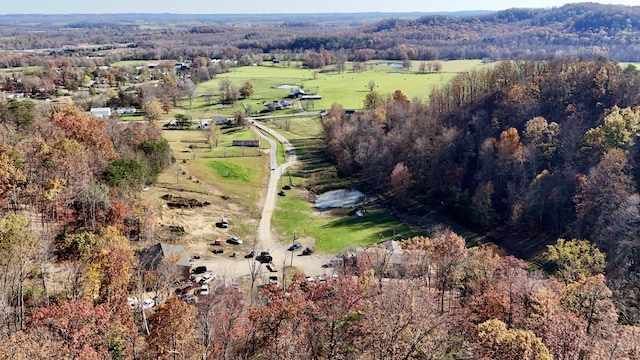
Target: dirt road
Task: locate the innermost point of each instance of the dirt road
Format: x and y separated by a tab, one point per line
310	265
234	269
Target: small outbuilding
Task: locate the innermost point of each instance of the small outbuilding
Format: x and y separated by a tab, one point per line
247	143
101	112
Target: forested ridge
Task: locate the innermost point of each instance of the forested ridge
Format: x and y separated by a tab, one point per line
534	148
585	30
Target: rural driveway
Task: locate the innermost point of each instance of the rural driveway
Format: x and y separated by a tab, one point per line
265	239
232	268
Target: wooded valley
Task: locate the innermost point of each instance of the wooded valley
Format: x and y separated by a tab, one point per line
538	153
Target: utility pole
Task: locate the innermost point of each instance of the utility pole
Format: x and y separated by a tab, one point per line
295	237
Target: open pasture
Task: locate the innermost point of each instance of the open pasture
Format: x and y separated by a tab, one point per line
347	88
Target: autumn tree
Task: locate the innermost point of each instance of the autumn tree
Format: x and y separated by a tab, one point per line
543	137
600	193
89	131
116	267
240	118
448	253
246	90
79	330
620	128
564	335
228	92
590	299
399	183
11	177
372	100
403	322
417	259
498	342
479	272
482	210
152	110
18	246
221	322
213	135
576	259
172	332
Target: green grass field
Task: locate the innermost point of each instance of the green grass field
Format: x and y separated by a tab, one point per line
347	88
334	230
239	172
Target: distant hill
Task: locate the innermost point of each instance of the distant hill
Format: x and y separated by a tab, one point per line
584	30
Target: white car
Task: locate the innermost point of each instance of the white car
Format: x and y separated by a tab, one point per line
148	304
206	278
132	301
234	240
204	290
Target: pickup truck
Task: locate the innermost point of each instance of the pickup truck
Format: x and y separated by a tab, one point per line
264	257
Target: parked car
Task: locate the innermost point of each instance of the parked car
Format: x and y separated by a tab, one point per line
286	187
272	267
234	240
249	255
204	290
295	247
207	278
184	289
335	262
148	304
282	193
132	301
217	251
307	251
225	222
264	257
199	270
216	242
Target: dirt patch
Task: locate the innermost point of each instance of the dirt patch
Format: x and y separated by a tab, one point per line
175	202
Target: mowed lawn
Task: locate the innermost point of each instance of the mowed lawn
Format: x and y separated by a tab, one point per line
334	230
240	174
346	88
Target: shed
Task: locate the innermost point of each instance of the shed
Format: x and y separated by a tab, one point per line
248	143
101	112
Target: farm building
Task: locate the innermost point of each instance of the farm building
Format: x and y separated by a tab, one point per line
310	97
101	112
248	143
151	258
296	94
122	111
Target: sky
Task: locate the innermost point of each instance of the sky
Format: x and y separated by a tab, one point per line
266	6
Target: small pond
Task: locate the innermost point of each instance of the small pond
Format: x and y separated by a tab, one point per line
338	198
